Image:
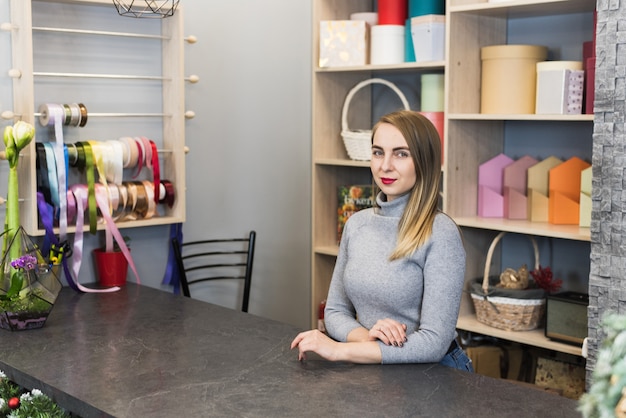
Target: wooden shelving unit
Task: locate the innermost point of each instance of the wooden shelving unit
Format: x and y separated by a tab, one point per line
331	166
167	66
470	138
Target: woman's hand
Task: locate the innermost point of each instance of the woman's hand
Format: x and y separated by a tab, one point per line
317	342
389	331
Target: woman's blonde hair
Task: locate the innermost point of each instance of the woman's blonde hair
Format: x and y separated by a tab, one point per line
422	138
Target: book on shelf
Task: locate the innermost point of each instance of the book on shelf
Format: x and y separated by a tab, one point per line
351	199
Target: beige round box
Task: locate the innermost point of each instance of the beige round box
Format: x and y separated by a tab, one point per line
509	78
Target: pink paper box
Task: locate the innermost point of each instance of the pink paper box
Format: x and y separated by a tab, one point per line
490	186
515	188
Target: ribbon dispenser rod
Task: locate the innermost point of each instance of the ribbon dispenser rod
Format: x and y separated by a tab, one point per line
15	73
190	114
7	26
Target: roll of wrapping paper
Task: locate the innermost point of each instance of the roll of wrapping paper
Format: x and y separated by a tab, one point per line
426	7
432	94
387	44
392	12
409	50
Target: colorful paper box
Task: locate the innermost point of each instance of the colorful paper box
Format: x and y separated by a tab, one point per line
516	187
343	43
490	186
560	87
538	189
565	181
585	198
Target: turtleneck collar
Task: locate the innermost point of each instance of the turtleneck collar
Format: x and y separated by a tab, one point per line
395	208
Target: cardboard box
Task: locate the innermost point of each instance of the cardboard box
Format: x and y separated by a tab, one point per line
566	378
343	43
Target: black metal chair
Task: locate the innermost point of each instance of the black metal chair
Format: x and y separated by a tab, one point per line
216	259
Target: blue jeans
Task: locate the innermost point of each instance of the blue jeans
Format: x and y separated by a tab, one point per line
457	359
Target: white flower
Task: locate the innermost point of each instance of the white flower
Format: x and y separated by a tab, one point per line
2	403
2	375
26	397
36	392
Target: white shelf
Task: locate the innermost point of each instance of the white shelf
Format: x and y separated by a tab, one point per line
432	65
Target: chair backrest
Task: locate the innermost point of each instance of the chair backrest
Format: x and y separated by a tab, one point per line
216	259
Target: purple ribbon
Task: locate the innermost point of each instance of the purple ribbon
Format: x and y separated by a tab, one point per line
45	213
172	275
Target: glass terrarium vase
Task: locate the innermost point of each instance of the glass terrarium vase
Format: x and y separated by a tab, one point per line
29	285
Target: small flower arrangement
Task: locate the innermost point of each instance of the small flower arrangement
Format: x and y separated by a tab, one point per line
606	396
22	268
28	286
16	402
544	279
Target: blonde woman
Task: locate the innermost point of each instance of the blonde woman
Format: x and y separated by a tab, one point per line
396	288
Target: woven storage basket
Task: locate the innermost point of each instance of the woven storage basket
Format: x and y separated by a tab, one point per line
358	143
507	309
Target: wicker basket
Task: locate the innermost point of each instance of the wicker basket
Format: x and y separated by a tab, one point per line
359	142
507	309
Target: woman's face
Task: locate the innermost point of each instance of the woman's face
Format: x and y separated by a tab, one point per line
392	165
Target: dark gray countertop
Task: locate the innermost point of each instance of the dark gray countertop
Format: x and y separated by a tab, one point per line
142	352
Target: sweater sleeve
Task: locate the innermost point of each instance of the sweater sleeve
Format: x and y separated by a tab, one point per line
444	274
340	314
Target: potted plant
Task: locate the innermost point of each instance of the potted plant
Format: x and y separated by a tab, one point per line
112	265
28	285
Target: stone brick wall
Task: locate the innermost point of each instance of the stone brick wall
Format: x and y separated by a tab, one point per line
607	281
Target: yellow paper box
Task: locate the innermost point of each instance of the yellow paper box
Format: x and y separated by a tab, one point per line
538	189
585	198
343	43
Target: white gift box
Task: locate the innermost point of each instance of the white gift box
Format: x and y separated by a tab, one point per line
559	87
428	33
343	43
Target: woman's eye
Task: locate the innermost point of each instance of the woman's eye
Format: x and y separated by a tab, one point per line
377	153
402	154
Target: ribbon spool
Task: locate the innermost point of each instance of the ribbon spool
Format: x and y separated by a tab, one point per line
74	114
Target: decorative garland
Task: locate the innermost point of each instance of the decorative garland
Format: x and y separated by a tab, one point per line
17	402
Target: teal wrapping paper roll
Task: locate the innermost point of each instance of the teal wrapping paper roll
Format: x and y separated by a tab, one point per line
432	94
409	49
426	7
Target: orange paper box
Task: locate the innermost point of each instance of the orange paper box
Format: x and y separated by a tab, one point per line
564	203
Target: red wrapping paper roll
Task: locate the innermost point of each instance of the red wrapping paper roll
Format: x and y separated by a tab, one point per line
392	12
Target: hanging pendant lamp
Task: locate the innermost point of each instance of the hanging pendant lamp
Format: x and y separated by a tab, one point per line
158	9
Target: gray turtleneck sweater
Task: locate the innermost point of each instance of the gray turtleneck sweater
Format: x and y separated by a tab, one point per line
422	291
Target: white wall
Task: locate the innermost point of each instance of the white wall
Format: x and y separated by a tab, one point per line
249	160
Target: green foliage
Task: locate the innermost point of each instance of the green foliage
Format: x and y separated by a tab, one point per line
33	404
609	375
